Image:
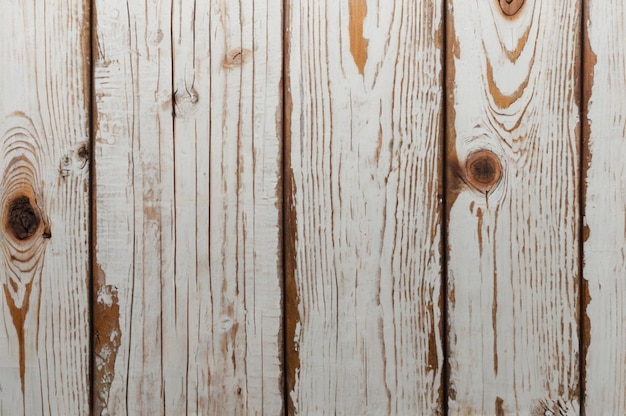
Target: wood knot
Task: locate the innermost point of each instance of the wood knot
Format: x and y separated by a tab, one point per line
83	152
23	220
483	170
511	7
236	57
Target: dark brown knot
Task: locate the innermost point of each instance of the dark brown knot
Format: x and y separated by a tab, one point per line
23	220
483	170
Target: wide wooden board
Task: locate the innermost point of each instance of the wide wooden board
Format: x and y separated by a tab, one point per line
44	202
363	169
513	200
188	158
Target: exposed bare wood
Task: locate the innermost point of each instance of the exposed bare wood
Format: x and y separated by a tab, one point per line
188	206
605	207
513	246
364	245
44	301
511	7
358	44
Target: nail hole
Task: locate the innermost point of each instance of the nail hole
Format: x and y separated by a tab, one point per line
23	221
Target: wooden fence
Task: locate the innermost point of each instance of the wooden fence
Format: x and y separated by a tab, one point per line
314	207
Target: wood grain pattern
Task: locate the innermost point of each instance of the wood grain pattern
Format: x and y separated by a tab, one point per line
188	156
363	256
188	220
44	300
605	208
514	248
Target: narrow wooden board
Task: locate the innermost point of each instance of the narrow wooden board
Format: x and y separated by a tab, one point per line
605	208
44	200
363	126
513	241
188	161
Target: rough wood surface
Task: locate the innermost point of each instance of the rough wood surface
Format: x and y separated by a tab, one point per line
187	213
513	245
44	191
605	208
363	145
188	147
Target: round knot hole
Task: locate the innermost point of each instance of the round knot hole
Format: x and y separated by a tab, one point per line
23	220
511	7
483	170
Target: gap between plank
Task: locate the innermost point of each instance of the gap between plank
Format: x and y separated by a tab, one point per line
284	208
582	174
445	369
91	227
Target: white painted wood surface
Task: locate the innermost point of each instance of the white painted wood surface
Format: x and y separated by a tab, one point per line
605	208
513	251
363	249
188	158
44	268
188	255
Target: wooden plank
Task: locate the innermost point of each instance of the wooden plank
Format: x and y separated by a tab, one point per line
513	153
188	158
44	198
363	126
605	208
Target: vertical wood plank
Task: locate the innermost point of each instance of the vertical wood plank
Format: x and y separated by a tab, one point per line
188	159
605	208
363	175
513	206
44	150
133	240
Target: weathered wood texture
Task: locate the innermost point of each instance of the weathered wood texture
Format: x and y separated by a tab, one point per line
363	147
188	220
605	207
513	241
44	200
187	254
